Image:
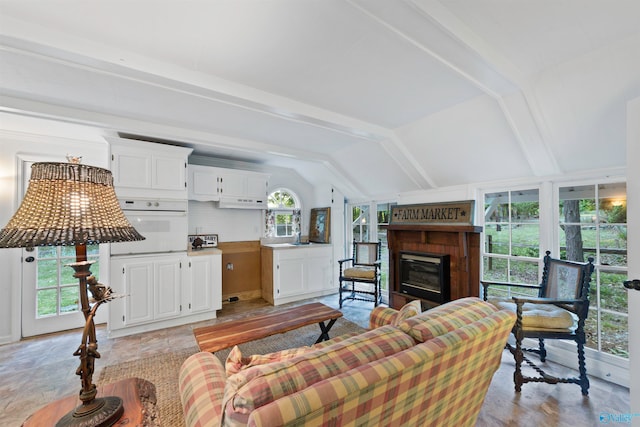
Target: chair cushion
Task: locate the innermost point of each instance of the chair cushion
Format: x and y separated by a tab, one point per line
256	386
360	273
539	317
445	318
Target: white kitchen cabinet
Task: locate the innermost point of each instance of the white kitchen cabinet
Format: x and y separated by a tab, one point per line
145	169
151	287
163	291
291	273
204	290
202	183
232	187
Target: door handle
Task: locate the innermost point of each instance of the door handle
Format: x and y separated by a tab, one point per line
29	259
632	284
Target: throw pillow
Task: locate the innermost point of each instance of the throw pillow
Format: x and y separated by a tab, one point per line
407	311
445	318
236	362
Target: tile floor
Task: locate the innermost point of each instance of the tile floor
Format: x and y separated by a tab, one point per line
39	370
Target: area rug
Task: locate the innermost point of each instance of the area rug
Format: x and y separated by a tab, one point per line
162	369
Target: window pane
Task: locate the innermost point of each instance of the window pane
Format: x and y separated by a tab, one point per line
69	299
613	245
93	250
525	206
577	204
613	295
47	252
496	207
68	251
495	269
525	240
524	272
47	302
614	335
497	239
47	273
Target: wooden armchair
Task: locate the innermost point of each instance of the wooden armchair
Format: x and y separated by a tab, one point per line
360	275
559	312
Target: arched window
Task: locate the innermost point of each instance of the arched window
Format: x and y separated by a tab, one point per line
283	214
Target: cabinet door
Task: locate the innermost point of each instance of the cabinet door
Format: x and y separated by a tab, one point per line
131	167
232	184
201	283
289	272
203	183
319	270
169	173
138	288
167	287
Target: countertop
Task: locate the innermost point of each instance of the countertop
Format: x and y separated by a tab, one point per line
294	246
203	251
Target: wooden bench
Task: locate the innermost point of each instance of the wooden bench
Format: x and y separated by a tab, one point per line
227	334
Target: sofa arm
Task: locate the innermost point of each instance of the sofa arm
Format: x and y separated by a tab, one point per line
381	316
201	385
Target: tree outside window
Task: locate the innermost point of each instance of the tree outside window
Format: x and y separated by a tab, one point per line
593	222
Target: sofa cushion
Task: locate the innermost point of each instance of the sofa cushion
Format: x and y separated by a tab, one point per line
445	318
256	386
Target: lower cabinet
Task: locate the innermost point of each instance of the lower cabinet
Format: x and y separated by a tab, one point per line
163	291
292	273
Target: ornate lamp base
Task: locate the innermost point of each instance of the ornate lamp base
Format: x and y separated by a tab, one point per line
101	412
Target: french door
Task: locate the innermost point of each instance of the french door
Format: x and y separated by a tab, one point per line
50	293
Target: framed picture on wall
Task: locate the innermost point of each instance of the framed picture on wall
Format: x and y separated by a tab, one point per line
320	225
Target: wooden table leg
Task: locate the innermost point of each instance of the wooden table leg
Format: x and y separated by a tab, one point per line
324	336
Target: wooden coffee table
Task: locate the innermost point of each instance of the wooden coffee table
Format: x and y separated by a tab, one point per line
227	334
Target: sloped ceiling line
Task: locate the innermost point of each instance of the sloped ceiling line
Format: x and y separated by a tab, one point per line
535	148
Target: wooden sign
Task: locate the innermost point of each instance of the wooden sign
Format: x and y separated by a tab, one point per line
445	213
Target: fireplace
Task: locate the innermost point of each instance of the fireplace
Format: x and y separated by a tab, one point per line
425	276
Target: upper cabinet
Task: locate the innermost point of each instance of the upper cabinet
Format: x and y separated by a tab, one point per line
145	169
232	188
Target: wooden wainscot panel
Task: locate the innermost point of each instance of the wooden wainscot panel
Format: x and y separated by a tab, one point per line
241	267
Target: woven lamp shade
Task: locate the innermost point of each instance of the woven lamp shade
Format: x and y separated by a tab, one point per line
68	204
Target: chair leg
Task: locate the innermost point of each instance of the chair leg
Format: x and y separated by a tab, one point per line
340	292
518	355
584	380
543	351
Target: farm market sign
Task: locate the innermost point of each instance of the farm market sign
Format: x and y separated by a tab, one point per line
444	213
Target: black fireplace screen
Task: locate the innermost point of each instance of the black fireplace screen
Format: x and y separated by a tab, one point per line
425	276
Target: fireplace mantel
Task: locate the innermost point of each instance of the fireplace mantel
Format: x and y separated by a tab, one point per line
460	242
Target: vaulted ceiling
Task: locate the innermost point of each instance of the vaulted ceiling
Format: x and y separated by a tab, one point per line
377	97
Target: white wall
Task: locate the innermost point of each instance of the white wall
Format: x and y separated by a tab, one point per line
34	146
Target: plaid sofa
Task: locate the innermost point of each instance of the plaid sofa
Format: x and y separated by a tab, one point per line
431	369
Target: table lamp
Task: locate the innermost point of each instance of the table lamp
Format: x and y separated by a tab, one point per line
75	204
